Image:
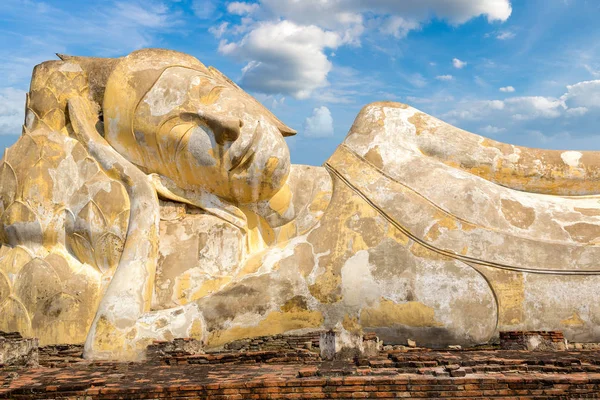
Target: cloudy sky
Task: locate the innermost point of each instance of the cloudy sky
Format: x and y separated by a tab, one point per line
520	71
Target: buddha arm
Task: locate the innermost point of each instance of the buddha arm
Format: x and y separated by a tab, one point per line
129	293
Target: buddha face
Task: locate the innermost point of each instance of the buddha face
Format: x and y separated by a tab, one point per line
199	129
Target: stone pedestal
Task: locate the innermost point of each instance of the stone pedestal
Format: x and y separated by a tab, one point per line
533	340
344	345
16	350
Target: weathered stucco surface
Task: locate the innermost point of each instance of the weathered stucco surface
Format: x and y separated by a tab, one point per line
149	197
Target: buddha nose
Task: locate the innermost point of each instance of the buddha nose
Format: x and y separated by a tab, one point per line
224	128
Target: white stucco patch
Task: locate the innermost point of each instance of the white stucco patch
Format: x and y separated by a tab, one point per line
358	286
571	158
70	67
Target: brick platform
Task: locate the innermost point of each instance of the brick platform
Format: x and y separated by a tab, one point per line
406	373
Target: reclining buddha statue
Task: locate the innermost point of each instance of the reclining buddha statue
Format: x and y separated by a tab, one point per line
151	198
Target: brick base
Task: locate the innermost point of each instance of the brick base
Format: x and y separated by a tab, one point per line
409	374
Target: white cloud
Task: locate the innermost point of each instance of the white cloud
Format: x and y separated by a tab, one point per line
458	63
518	108
475	110
593	71
580	99
271	101
12	104
283	57
479	81
530	107
286	50
118	27
319	124
139	14
336	96
507	89
583	94
398	26
492	130
564	140
455	11
417	80
577	111
505	35
344	18
219	30
204	9
348	86
444	77
239	8
434	99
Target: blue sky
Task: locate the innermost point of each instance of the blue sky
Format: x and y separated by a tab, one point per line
525	72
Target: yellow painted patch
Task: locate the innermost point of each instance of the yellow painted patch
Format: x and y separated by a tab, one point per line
212	96
14	317
517	214
351	324
287	232
573	320
509	287
320	201
423	252
196	331
583	232
14	260
282	200
271	167
295	304
251	266
420	121
374	157
590	212
396	234
185	292
388	313
326	289
433	233
181	288
467	227
275	323
358	243
443	222
108	337
209	287
260	234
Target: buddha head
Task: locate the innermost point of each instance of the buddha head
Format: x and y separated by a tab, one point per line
169	114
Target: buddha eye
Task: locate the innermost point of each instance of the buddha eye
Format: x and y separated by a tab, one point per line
225	129
211	96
